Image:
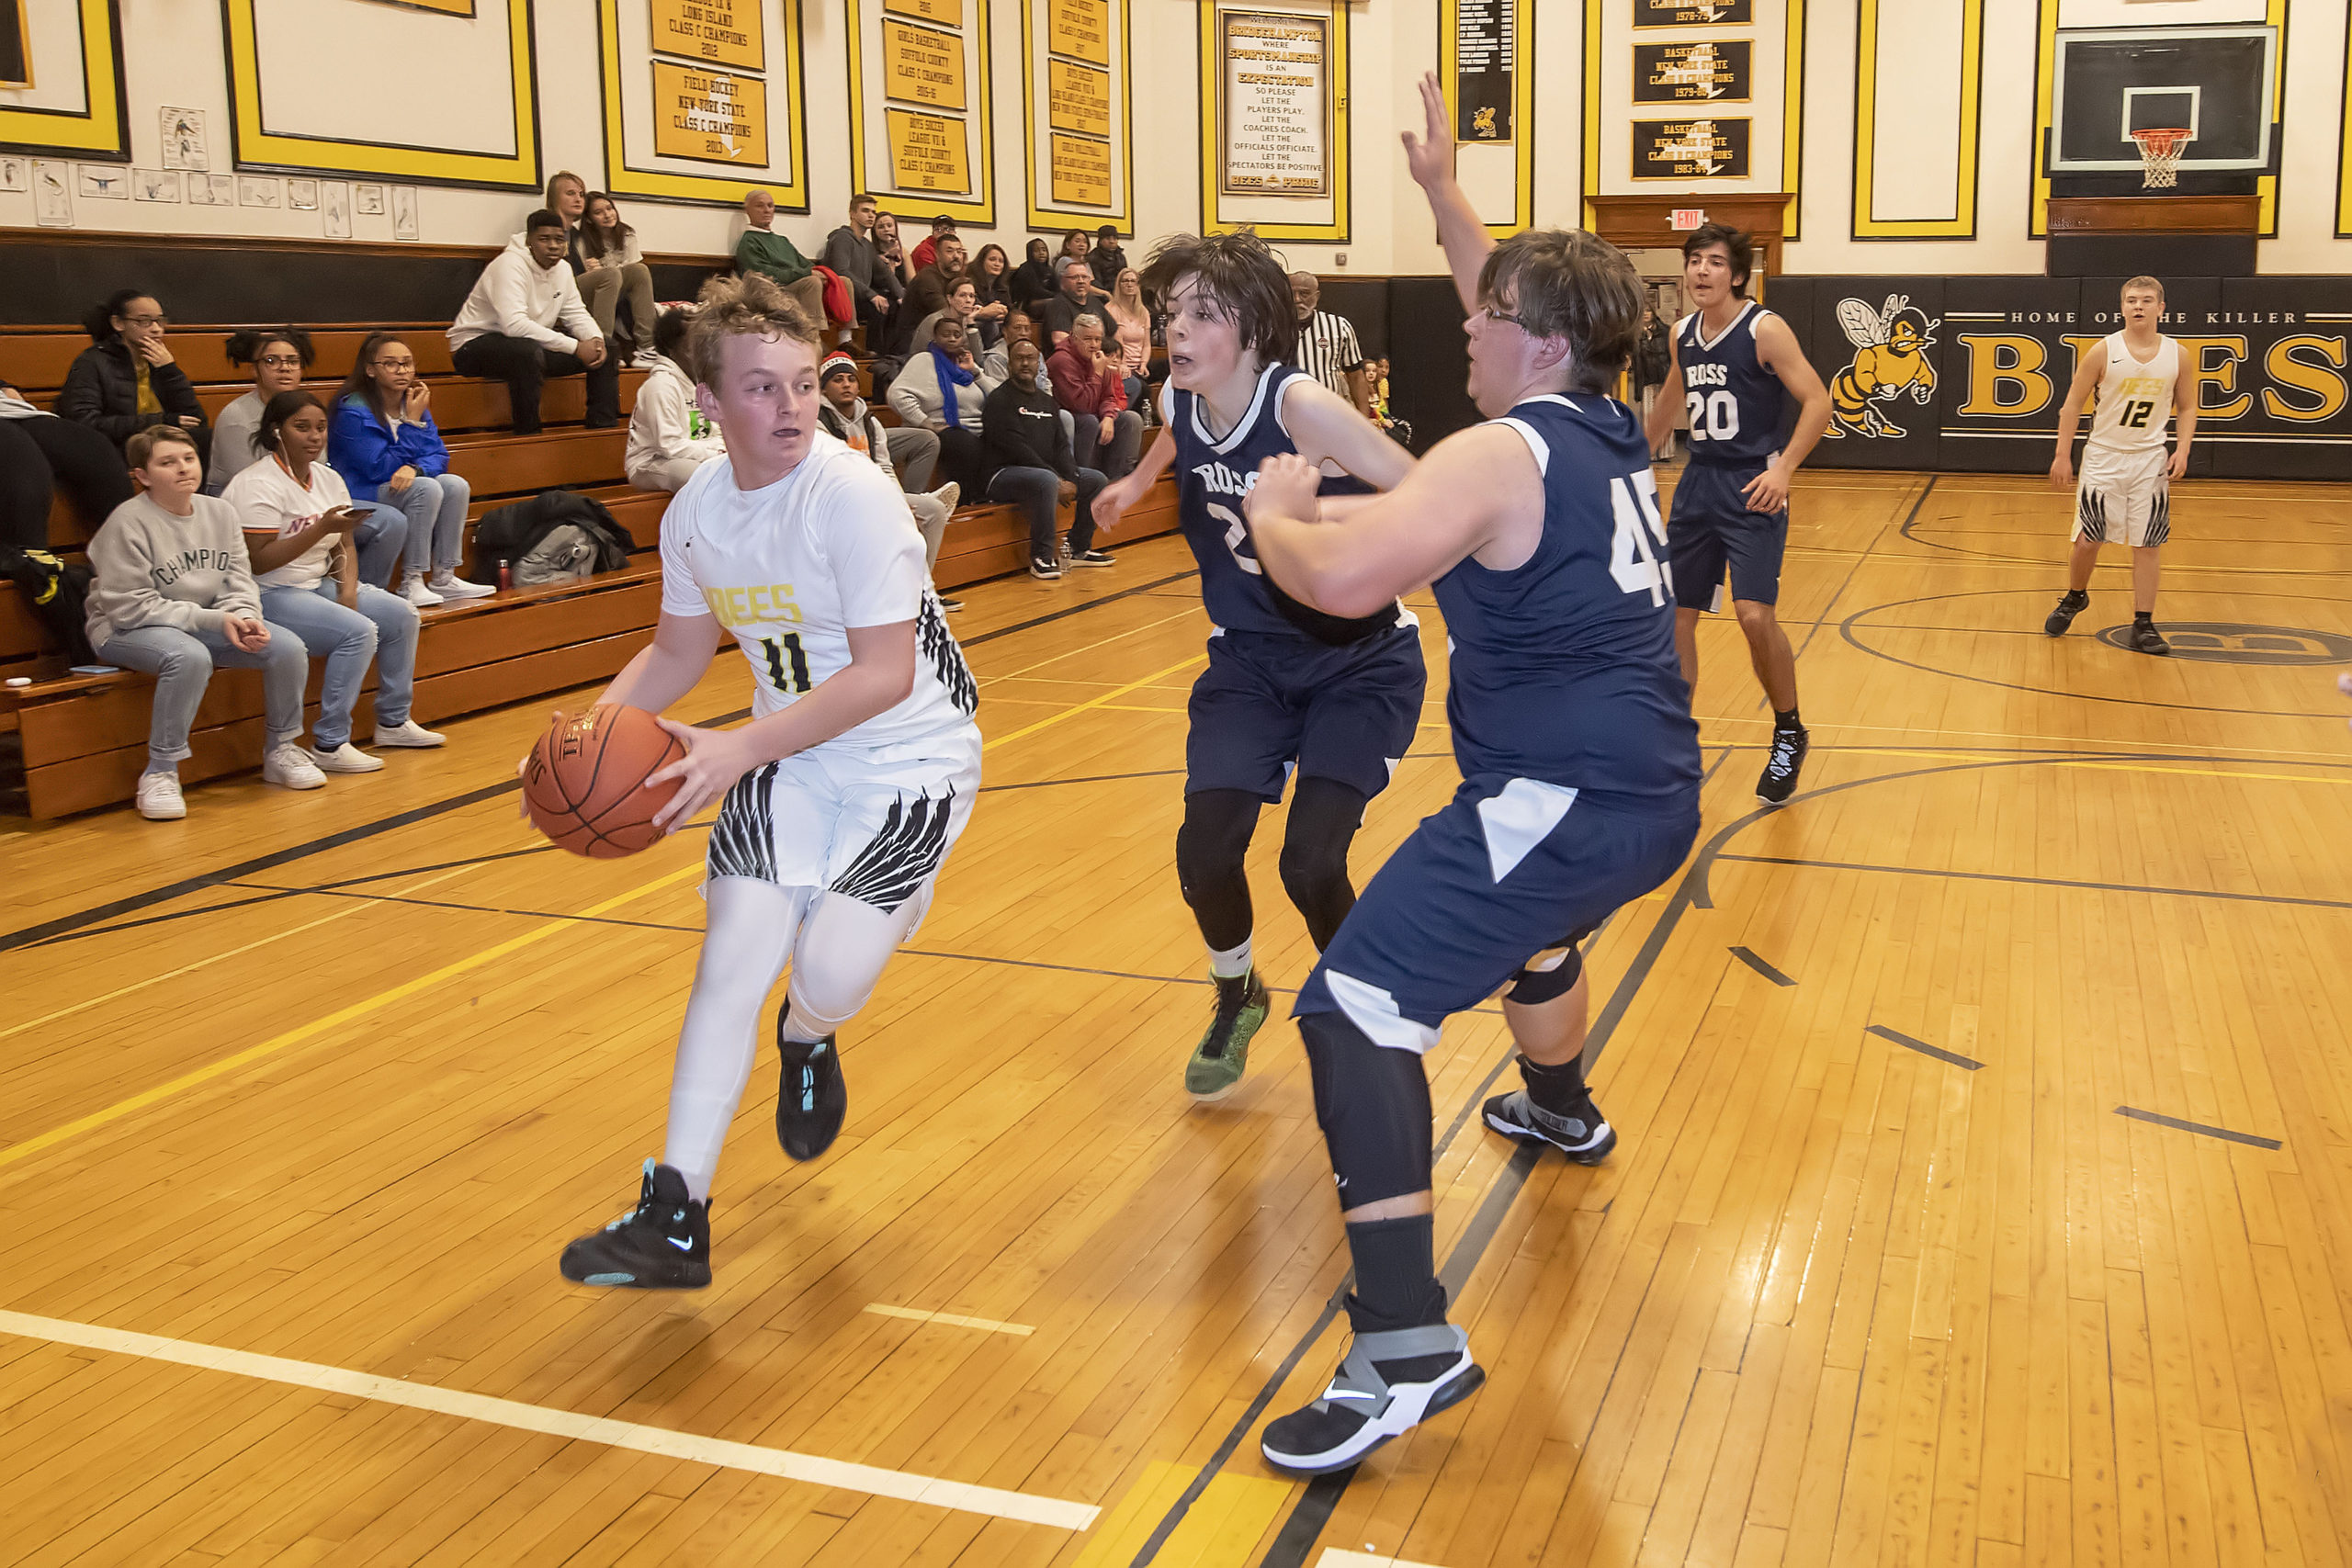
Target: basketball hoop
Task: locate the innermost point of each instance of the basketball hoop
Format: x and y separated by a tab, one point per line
2160	157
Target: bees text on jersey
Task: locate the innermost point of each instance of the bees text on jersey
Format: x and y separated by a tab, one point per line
1736	406
791	569
2136	396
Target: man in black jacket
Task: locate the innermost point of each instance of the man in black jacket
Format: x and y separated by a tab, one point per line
1021	429
872	284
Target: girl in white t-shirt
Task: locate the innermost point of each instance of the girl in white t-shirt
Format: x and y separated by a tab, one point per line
296	512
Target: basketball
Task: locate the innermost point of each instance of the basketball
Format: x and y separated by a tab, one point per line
585	785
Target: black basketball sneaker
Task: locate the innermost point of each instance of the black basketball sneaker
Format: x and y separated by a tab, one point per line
664	1244
1389	1383
2073	602
811	1100
1569	1123
1779	778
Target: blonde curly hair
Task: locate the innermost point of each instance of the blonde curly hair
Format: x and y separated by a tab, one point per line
748	306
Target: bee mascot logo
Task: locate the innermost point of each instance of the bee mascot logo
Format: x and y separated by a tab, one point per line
1482	124
1890	359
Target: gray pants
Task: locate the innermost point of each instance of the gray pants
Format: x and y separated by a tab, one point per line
601	290
1114	458
665	473
182	663
930	516
914	453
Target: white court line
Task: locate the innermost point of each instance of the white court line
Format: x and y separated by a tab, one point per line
818	1472
912	1315
1333	1557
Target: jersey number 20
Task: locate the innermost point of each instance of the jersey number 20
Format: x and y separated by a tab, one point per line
1714	416
1632	560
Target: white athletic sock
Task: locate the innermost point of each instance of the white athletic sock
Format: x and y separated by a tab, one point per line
747	935
1232	963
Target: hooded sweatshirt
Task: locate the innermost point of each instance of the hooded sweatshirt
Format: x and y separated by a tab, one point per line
516	297
665	424
860	430
150	569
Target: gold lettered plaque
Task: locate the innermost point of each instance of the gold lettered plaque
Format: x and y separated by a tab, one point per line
922	67
1690	149
947	13
711	117
1079	27
1082	98
927	153
1081	172
724	32
1691	13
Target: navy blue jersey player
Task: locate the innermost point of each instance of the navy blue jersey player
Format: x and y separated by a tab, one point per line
1335	699
1740	370
1580	768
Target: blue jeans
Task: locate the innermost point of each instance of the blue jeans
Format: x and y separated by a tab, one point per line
182	663
379	541
1036	490
383	629
436	507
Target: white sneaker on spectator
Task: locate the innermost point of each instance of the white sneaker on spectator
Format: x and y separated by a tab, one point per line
346	758
407	732
449	585
948	494
159	797
416	593
290	767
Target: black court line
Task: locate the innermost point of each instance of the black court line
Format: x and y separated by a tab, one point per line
1067	610
1750	958
1937	1051
2046	881
2175	1121
2054	565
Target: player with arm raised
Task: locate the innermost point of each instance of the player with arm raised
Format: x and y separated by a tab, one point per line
1334	698
844	794
2126	488
1580	761
1739	365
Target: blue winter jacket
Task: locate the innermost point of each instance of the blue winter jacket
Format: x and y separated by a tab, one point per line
363	449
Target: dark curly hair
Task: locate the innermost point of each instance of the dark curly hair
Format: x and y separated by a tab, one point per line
1241	277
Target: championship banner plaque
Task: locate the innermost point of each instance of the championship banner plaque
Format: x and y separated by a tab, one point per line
1486	46
944	13
1080	29
1690	149
1081	100
1705	71
1277	104
724	32
710	116
1690	13
927	153
921	66
1082	176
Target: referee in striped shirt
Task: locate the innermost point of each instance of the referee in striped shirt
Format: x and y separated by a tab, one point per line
1327	349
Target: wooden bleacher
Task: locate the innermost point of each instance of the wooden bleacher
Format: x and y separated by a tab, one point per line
84	738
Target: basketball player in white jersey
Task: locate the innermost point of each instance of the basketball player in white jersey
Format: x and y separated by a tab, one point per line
844	794
2125	492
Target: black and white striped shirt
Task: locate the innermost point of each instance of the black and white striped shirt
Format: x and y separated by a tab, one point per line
1328	350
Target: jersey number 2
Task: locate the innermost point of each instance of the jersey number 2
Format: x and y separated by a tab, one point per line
787	665
1632	560
1236	536
1714	416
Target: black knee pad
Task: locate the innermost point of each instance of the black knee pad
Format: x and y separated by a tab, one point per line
1324	816
1210	850
1549	974
1373	1102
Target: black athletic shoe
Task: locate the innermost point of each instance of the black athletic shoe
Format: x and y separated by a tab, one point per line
1583	1135
664	1244
2146	639
1091	558
2074	603
1388	1384
812	1099
1779	780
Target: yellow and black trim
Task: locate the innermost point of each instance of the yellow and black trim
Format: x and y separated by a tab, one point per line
260	151
1041	216
1338	65
978	209
2344	147
1522	100
100	131
1963	224
623	178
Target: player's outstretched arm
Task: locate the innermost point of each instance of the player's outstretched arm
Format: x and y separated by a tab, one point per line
1110	503
2087	376
2184	422
1769	491
1324	424
1470	492
1429	156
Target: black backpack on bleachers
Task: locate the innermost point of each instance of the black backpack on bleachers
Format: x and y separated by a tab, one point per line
510	533
55	590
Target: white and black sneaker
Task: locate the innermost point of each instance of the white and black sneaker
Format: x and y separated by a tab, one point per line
1779	778
664	1244
1389	1382
1582	1135
1091	558
1045	570
812	1099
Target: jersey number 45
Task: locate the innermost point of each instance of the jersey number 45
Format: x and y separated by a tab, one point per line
1632	499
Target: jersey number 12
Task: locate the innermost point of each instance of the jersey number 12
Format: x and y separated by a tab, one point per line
2136	414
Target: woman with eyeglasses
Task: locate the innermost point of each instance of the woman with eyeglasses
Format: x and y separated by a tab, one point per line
388	449
127	381
278	356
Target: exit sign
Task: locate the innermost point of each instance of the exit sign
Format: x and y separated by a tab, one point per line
1688	218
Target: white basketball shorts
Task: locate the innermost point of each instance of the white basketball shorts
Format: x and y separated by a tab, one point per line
2123	498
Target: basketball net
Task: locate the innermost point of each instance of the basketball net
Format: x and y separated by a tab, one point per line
2159	157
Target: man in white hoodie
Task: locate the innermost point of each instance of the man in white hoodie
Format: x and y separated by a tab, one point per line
524	322
669	435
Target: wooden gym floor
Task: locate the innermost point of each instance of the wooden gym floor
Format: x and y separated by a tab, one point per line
1985	1196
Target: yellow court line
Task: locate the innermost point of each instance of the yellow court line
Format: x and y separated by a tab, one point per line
2203	773
1093	702
335	1020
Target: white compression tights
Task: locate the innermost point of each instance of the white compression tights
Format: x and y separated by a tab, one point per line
837	948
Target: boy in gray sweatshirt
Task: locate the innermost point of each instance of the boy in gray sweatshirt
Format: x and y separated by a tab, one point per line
171	595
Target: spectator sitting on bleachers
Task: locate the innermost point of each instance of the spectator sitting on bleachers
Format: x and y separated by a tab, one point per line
927	251
1078	296
1031	466
566	198
927	291
1075	246
893	253
278	356
127	381
939	391
171	595
1107	435
769	254
40	452
669	435
1129	315
962	302
874	285
383	439
1105	256
845	415
613	267
991	275
523	321
294	509
1033	280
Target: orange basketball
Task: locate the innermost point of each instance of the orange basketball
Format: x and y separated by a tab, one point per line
585	783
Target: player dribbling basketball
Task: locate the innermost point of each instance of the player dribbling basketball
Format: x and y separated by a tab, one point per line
2125	492
845	793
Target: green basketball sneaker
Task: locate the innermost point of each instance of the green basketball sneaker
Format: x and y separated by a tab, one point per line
1217	1064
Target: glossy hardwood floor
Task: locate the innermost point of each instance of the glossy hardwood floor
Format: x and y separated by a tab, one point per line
1985	1196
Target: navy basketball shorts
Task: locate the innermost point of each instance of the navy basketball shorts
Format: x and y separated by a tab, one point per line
1709	528
1267	703
1504	871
